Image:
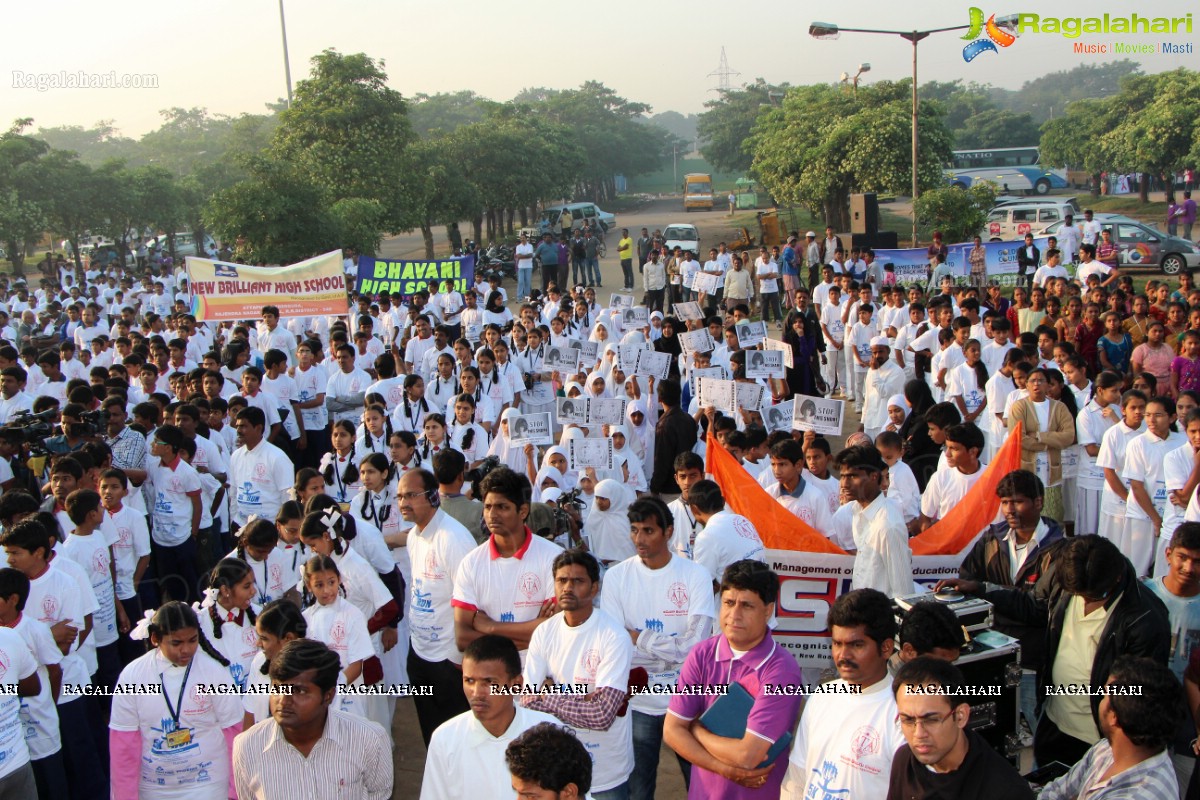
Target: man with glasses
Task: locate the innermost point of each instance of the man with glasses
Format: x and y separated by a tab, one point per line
942	758
437	544
848	735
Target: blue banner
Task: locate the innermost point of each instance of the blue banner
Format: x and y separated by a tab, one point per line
408	276
912	264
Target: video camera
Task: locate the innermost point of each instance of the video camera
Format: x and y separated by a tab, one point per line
474	476
33	430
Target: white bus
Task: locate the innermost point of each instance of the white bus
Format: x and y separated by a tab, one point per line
1010	168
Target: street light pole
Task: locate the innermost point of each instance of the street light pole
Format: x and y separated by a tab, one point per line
287	67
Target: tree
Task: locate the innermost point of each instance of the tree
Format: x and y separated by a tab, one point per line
102	142
959	213
996	128
444	193
447	112
823	144
23	206
348	132
1046	97
1072	140
75	205
724	129
1156	125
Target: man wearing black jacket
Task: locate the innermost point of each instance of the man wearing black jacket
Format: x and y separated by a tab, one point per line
675	434
1028	258
1019	553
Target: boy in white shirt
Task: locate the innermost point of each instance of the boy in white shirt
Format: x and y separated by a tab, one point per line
858	344
834	330
131	552
806	500
951	483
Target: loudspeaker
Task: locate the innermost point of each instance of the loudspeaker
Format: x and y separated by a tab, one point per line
880	240
864	213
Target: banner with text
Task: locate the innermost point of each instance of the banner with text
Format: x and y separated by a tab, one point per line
1000	257
408	276
223	291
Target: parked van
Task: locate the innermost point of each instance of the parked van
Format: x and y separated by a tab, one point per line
697	192
549	221
1012	221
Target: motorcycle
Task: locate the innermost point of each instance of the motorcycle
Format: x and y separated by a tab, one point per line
498	260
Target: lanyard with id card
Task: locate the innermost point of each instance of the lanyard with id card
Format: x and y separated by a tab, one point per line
178	736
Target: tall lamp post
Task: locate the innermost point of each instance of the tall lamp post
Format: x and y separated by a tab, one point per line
827	30
287	67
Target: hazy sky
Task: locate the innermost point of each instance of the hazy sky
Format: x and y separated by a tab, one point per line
226	54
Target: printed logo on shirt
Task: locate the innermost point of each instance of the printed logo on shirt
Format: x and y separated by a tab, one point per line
529	585
653	625
124	537
590	661
744	529
100	562
337	636
260	471
276	577
247	495
250	637
678	595
50	608
3	664
433	570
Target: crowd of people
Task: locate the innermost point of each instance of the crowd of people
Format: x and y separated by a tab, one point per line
234	549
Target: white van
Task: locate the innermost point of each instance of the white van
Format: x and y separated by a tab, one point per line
1011	221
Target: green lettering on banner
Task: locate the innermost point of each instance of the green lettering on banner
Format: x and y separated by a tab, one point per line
381	268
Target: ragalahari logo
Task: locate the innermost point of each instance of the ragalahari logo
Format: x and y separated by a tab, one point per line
995	36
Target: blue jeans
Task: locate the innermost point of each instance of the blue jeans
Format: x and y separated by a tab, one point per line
1028	698
647	745
616	793
578	271
591	268
524	277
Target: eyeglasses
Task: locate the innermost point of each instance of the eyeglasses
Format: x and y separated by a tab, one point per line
930	722
410	496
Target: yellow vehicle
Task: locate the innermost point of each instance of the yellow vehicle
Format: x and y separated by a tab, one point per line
697	191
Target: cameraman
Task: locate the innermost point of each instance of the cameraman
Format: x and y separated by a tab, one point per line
75	432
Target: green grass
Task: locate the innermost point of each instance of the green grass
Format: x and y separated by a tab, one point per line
664	180
1129	205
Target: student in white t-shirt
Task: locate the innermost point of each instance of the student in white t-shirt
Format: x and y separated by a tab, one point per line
181	739
950	484
334	620
259	472
808	501
665	602
584	645
727	537
227	616
88	546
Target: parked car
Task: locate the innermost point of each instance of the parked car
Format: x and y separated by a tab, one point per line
683	235
1143	245
185	244
549	221
1011	221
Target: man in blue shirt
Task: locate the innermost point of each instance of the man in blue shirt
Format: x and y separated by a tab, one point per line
788	271
547	256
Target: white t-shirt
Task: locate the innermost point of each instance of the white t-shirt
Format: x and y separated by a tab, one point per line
1090	427
343	628
177	766
284	389
172	511
963	382
768	285
507	589
1176	469
54	597
1093	268
261	479
1044	273
343	384
38	714
847	742
812	505
674	603
16	664
436	552
91	553
1144	459
831	318
726	538
597	653
945	490
524	256
1112	456
238	643
309	384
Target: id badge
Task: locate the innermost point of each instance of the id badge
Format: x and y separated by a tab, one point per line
179	738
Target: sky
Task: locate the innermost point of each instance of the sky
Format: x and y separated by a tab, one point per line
226	55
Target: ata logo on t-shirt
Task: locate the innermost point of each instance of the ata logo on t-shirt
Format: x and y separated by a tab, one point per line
276	576
744	528
433	570
3	664
865	741
529	585
50	606
124	537
337	636
590	661
678	594
249	637
260	471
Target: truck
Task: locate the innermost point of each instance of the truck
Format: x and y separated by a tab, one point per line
697	191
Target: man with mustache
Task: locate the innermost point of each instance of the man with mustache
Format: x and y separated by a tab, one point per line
848	735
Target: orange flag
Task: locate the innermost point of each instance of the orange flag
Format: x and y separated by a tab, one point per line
780	529
952	533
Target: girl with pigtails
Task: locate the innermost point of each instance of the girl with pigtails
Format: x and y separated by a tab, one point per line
465	435
227	616
258	546
376	430
279	623
409	415
340	467
182	739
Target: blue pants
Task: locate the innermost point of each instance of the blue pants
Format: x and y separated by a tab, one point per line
616	793
176	568
592	270
84	771
578	271
647	744
524	278
50	775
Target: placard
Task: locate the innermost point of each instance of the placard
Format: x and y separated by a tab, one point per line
687	311
561	359
706	284
778	417
621	301
572	410
627	356
750	334
718	394
606	411
634	318
589	452
783	347
750	395
700	341
764	364
818	414
589	352
222	291
530	429
652	363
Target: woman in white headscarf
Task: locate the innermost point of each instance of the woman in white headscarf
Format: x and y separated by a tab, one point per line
897	409
600	333
641	436
607	523
547	477
597	386
557	457
626	463
518	458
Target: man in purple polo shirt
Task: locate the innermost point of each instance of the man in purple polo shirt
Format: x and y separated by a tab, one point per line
743	652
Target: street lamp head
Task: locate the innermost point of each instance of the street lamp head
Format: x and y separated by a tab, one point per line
823	30
864	67
845	77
